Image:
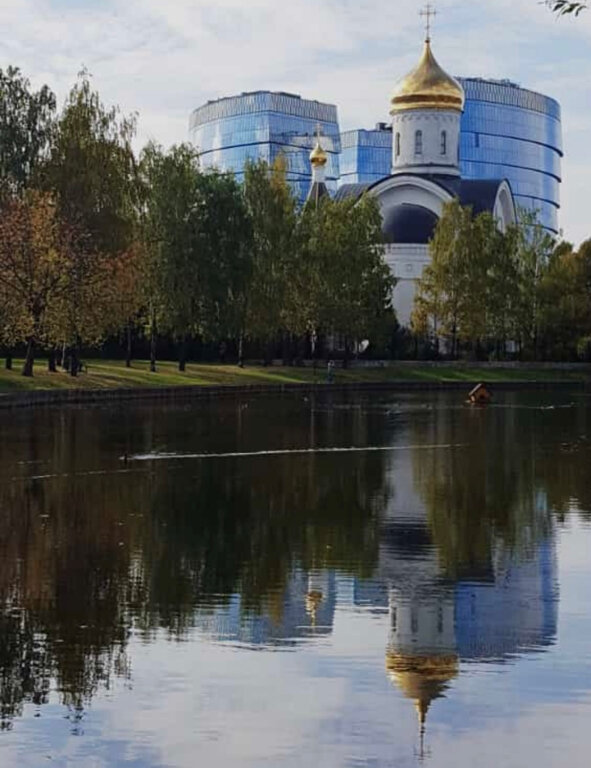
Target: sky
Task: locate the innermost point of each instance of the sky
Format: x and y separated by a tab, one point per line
162	59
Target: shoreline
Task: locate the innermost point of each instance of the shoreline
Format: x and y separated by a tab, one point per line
50	397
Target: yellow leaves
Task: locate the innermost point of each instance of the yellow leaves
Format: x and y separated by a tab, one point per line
52	286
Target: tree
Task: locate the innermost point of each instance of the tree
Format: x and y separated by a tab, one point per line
92	169
565	322
534	247
35	250
197	230
171	203
273	211
223	255
442	292
125	293
27	124
348	286
502	289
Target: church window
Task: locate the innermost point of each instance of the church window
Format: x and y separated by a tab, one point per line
444	142
419	143
397	145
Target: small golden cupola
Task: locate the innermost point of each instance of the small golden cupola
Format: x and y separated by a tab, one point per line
428	86
318	156
318	161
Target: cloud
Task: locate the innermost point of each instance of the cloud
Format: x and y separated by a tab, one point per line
164	59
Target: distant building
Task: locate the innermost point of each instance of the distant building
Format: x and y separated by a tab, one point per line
366	156
516	134
262	125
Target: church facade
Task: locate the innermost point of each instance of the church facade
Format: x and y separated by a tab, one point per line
426	110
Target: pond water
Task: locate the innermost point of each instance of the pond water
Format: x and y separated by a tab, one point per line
380	580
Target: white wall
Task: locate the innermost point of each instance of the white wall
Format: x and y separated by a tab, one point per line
432	122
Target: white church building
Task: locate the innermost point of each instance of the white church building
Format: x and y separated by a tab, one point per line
426	109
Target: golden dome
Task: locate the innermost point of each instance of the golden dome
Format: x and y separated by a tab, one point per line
427	87
318	156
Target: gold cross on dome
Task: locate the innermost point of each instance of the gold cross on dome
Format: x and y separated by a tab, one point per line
428	13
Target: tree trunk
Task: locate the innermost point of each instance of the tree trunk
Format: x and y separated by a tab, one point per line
128	350
29	358
74	361
51	366
8	362
64	355
183	355
153	344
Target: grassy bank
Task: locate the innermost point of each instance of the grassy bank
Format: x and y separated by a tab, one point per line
103	374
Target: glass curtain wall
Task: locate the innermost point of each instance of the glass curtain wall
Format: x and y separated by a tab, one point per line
507	132
366	155
510	132
262	125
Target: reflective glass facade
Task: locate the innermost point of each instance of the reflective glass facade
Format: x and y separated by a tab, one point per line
366	155
262	125
509	132
506	132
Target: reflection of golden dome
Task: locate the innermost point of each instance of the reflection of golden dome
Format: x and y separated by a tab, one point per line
421	678
313	601
318	156
427	87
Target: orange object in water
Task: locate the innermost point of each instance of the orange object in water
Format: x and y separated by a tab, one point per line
479	395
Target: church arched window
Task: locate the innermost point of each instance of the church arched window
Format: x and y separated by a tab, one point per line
419	143
444	142
397	145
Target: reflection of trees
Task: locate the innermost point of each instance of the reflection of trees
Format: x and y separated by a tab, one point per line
563	466
65	561
493	487
86	557
224	526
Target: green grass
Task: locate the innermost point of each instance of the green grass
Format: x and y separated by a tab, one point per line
104	374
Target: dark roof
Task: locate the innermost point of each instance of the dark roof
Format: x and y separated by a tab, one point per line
317	191
351	191
480	194
408	223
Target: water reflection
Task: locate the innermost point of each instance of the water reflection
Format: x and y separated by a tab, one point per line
457	543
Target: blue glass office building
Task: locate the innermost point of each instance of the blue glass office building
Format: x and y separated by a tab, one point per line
366	156
510	132
507	132
262	125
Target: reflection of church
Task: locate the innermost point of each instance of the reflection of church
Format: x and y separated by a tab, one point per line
303	609
496	610
436	625
426	109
